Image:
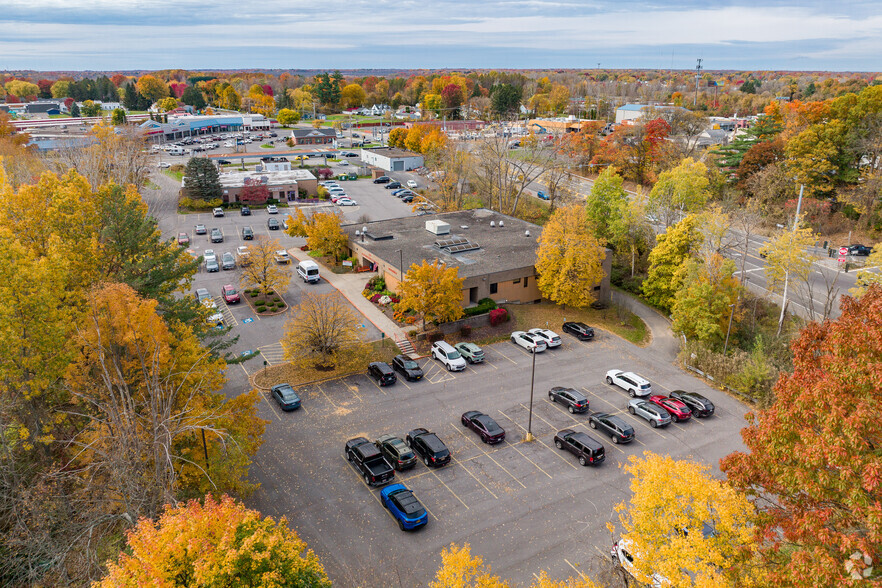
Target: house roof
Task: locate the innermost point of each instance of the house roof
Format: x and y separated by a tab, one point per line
498	249
267	178
303	133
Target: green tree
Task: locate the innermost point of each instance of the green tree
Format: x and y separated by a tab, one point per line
192	96
60	89
91	108
606	202
75	110
629	230
702	305
570	258
680	191
505	99
118	117
672	249
201	180
215	543
812	459
288	117
433	291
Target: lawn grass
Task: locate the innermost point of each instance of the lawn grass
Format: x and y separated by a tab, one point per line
176	174
383	350
617	321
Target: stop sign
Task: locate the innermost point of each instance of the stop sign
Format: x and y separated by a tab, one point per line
843	251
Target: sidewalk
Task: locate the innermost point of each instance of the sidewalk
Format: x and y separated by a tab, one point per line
351	286
663	340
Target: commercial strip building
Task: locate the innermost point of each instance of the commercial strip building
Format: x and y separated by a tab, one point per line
188	125
559	125
314	136
494	253
629	112
281	185
392	159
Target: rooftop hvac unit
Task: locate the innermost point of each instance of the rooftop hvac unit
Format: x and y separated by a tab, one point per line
438	227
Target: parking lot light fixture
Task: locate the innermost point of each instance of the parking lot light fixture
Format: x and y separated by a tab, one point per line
529	436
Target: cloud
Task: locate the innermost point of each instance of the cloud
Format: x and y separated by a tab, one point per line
132	34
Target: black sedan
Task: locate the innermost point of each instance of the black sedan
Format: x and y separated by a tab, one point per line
861	250
407	367
245	211
382	180
698	404
484	426
574	400
396	452
273	224
616	428
582	331
287	398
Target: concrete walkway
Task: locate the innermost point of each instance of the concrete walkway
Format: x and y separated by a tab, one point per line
351	286
663	342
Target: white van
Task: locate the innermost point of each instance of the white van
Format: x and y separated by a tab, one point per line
176	150
309	271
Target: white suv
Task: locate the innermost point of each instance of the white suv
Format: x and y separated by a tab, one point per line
622	553
449	356
633	384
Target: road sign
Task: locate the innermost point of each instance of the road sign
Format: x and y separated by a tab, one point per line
248	352
843	251
248	320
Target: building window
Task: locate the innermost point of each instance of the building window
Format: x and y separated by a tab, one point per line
518	281
527	279
493	288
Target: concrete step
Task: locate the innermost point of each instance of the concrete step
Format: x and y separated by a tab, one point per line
405	346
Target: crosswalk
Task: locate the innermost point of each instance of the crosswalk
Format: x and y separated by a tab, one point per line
273	354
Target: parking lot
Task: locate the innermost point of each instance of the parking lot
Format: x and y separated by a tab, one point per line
524	507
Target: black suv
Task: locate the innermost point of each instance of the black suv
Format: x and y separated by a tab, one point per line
407	367
382	180
698	404
582	331
382	373
619	430
245	211
588	449
429	447
247	233
574	400
396	452
393	185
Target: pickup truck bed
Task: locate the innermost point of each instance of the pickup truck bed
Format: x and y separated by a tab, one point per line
368	460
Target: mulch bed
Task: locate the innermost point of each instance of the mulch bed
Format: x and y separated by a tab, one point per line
269	299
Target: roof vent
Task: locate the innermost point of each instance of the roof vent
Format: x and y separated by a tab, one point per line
463	227
501	224
437	227
527	233
492	224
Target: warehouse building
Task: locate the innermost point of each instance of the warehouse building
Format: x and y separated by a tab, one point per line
392	159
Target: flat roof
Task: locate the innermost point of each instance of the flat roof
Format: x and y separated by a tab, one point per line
392	152
270	178
499	249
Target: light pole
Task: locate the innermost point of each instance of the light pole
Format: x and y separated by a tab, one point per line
400	265
731	314
529	436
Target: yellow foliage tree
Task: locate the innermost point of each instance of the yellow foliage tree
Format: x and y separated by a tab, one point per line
867	277
167	104
570	258
415	135
691	528
433	291
263	270
352	96
264	105
322	231
787	258
397	137
459	569
152	88
323	334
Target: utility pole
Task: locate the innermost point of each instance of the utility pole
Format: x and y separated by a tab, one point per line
697	75
787	272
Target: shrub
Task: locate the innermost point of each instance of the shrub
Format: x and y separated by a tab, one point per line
410	320
261	309
376	297
465	331
276	299
498	316
484	305
435	336
377	283
253	293
199	204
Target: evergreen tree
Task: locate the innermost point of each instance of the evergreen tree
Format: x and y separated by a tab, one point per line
505	99
201	179
74	110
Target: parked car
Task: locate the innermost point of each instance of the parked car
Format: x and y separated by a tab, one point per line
281	256
399	191
582	331
407	367
470	352
217	212
211	265
224	161
404	506
200	229
574	400
623	554
530	342
204	297
346	202
861	250
448	356
407	199
396	452
209	254
698	404
228	262
230	294
656	415
217	236
679	411
551	338
588	449
247	233
486	428
382	372
243	255
245	211
368	460
382	180
616	428
272	209
393	185
428	446
412	184
285	395
633	384
183	239
273	224
541	195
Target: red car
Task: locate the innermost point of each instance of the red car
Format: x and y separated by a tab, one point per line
183	239
679	411
230	294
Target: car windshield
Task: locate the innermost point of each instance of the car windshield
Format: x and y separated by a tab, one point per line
288	394
453	355
230	291
410	364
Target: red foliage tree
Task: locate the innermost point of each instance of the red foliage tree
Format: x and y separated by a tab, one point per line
177	88
267	89
451	96
45	88
814	460
758	157
637	150
118	79
254	193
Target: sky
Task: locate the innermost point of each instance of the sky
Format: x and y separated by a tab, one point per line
457	34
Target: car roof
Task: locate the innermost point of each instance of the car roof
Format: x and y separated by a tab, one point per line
382	366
